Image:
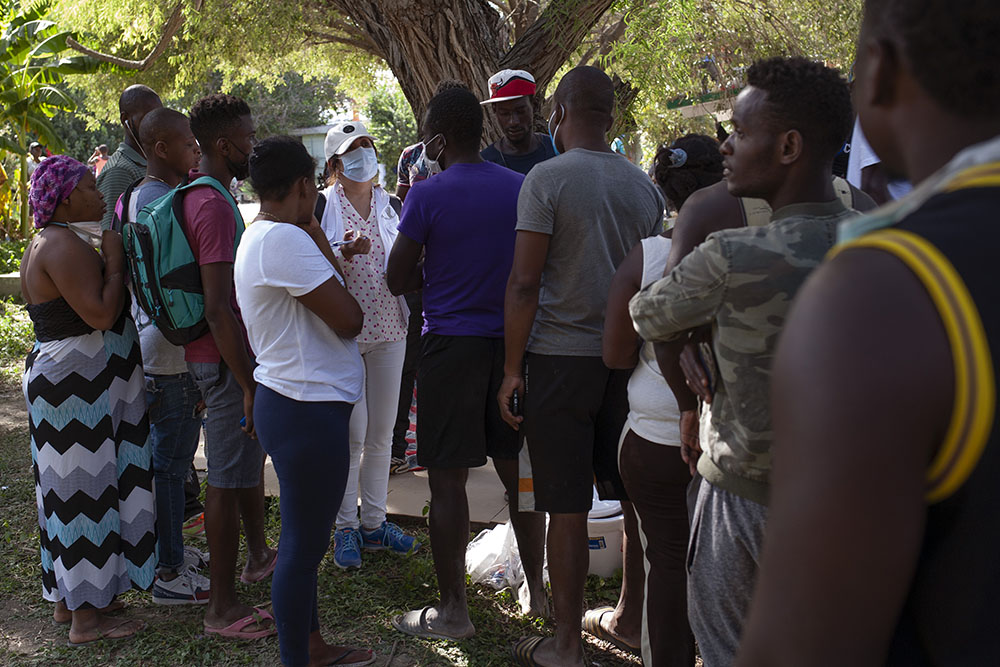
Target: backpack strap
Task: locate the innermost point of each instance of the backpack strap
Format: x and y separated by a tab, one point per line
208	181
122	206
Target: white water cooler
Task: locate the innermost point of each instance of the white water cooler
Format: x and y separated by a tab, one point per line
606	536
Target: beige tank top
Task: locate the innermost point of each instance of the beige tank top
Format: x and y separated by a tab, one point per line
756	212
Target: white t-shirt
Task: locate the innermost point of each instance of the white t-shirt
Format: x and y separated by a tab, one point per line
862	155
298	355
653	414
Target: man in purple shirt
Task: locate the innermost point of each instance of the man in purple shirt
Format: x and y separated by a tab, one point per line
463	220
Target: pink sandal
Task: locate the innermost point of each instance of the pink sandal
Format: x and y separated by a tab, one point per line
267	573
235	629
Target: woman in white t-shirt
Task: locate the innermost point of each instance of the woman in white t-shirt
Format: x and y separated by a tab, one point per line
301	323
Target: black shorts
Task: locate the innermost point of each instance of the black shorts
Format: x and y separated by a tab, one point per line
574	412
458	420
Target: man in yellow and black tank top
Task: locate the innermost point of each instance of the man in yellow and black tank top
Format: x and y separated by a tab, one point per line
883	537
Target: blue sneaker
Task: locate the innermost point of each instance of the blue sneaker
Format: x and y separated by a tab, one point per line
347	548
389	536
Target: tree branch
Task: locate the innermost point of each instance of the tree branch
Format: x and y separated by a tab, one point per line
559	30
360	43
169	30
605	39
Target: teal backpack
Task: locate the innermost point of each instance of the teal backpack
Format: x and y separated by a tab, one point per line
166	278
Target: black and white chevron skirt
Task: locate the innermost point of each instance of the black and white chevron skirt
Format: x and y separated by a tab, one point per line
92	461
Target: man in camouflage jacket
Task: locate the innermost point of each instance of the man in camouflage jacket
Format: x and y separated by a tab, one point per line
789	124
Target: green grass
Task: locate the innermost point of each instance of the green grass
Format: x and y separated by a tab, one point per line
354	607
16	337
10	255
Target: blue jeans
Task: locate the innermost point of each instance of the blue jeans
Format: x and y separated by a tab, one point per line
307	443
174	428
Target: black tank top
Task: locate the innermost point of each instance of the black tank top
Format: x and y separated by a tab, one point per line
55	320
950	616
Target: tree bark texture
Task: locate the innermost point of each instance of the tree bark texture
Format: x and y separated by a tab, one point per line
425	41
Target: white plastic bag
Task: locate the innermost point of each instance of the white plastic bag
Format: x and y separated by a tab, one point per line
492	558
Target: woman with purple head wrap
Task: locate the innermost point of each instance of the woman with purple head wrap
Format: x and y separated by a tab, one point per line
51	183
84	386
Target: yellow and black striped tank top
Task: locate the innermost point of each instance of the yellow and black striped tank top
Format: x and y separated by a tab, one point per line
951	243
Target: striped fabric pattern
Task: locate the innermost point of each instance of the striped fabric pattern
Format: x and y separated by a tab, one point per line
975	388
92	463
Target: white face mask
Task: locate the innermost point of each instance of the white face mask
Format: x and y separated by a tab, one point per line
360	165
433	165
88	231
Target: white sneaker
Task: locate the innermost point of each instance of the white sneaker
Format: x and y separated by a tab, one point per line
195	558
188	587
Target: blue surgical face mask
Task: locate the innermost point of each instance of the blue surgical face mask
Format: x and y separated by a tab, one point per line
553	133
360	165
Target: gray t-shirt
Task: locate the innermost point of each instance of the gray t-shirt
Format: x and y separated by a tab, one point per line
159	356
596	207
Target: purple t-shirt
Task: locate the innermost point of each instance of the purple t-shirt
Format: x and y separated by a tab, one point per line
465	218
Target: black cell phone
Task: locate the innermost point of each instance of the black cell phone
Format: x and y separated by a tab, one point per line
515	404
706	357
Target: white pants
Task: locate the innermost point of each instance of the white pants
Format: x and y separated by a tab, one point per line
371	435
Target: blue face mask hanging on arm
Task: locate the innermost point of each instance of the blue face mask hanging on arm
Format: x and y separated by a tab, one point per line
552	134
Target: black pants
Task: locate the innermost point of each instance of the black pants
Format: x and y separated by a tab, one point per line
657	480
410	363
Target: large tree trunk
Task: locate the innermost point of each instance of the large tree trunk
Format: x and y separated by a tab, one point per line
424	41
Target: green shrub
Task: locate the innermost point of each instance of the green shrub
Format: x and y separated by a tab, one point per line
17	335
10	254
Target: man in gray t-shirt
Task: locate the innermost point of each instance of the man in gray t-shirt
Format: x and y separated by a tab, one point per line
594	207
578	216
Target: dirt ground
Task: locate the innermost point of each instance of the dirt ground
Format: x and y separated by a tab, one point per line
13	413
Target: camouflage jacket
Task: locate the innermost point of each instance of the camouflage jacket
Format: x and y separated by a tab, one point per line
742	282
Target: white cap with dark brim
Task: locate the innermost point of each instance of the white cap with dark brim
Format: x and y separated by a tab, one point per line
510	84
340	137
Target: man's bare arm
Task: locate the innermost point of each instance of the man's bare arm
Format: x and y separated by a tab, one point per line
217	281
708	210
620	344
520	306
861	396
405	271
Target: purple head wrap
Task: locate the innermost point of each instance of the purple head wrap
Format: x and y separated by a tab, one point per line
52	182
